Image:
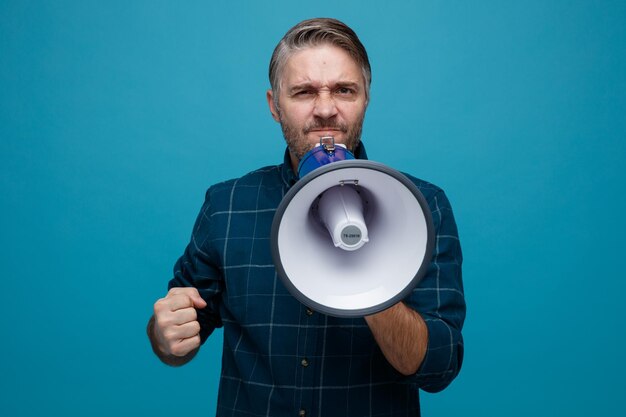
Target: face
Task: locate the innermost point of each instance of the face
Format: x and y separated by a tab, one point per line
322	93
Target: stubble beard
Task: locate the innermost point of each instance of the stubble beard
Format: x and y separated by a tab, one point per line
299	144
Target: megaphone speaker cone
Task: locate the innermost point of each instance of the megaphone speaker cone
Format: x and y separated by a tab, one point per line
352	238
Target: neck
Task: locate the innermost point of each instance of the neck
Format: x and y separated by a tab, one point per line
294	163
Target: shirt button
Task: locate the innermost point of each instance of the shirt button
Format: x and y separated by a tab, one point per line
309	312
305	362
302	412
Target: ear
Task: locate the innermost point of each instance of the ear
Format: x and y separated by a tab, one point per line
270	101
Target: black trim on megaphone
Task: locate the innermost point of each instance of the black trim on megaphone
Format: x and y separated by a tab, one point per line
364	164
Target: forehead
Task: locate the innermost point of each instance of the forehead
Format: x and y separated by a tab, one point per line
323	64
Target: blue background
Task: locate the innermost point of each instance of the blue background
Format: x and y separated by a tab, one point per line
115	117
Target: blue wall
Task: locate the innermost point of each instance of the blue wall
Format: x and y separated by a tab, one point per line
115	117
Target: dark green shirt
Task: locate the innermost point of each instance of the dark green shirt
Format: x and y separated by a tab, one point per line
281	358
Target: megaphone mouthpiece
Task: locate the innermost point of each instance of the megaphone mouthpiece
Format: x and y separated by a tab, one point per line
341	212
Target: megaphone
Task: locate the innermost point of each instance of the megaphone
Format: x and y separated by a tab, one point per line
352	237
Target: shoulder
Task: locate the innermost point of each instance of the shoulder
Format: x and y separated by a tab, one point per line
438	202
429	190
225	192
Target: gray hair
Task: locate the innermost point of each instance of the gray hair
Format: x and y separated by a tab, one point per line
315	32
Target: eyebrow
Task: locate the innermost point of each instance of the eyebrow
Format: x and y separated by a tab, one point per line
309	85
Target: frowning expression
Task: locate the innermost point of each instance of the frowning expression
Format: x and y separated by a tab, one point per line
322	93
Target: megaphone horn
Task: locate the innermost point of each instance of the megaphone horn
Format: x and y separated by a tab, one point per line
351	237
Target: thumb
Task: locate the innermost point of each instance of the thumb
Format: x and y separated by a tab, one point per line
198	302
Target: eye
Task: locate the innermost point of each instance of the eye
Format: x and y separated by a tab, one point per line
345	91
303	93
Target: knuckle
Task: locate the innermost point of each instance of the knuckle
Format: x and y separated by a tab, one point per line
162	318
194	342
178	350
169	334
159	305
182	291
196	327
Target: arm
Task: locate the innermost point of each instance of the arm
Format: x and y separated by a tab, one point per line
187	315
421	336
402	335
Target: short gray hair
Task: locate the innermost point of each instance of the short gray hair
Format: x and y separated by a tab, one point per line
315	32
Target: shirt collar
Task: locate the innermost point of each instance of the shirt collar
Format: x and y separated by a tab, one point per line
290	178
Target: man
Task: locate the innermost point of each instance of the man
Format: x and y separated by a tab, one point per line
281	358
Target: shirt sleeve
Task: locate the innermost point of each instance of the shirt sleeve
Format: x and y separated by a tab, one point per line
439	299
199	267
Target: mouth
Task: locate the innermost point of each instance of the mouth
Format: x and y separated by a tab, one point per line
330	127
326	131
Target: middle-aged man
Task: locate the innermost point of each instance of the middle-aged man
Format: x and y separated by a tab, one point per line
281	358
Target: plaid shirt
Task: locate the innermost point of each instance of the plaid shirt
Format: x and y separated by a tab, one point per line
279	357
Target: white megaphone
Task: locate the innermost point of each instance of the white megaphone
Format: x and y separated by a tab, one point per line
351	237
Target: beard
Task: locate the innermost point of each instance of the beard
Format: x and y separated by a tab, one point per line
299	144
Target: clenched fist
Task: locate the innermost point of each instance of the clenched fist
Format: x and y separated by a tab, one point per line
176	331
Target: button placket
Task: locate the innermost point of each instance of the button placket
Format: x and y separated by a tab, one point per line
307	372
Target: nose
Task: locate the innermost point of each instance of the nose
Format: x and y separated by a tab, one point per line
325	107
